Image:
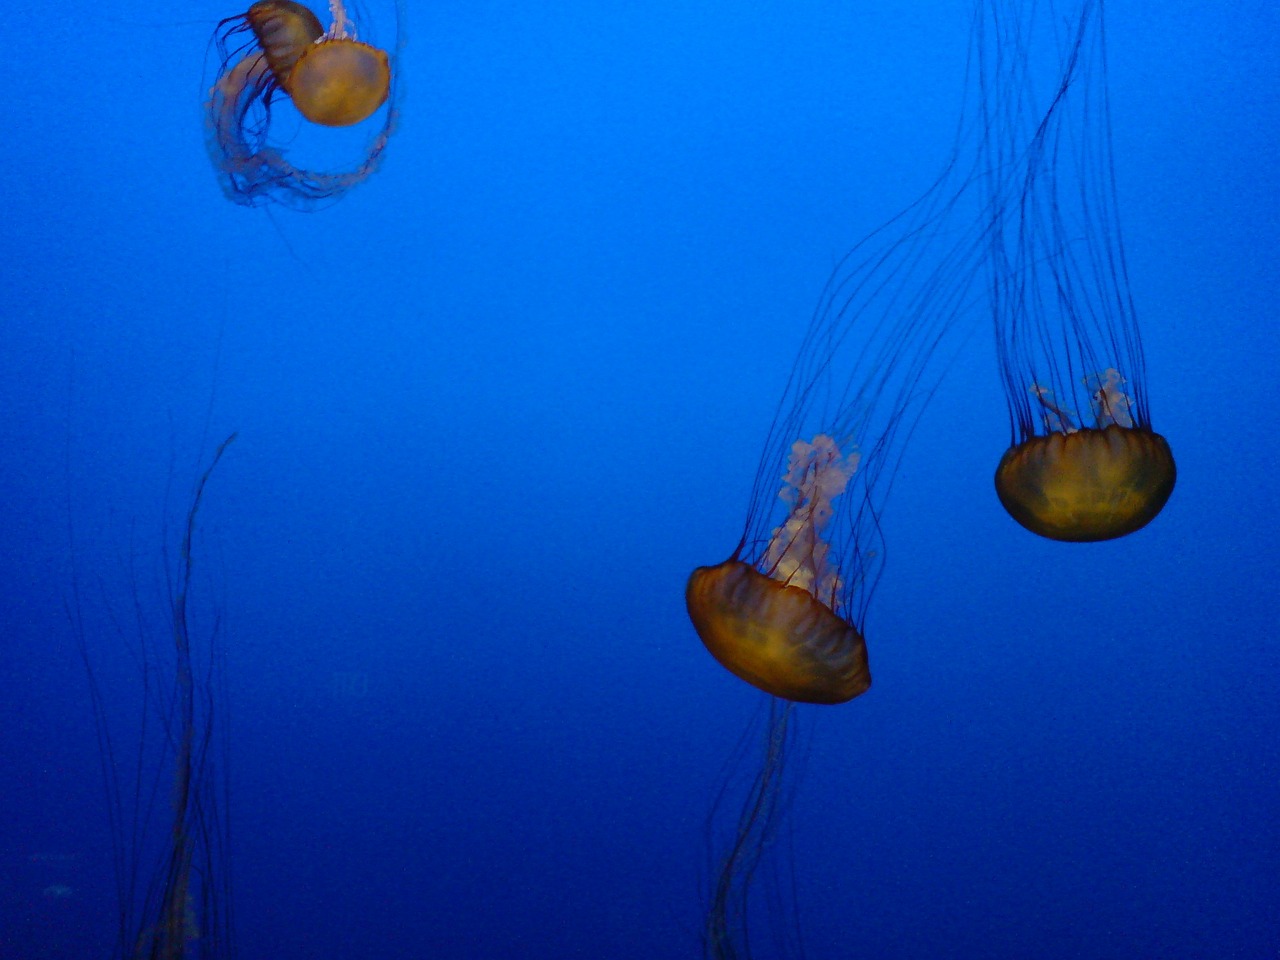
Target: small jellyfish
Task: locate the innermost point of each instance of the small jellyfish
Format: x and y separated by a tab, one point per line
1066	328
279	48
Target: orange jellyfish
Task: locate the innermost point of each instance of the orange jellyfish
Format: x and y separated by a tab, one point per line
279	50
182	909
1084	462
786	612
775	623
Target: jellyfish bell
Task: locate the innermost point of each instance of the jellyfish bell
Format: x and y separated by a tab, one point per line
340	82
1089	484
1067	331
284	30
279	51
775	636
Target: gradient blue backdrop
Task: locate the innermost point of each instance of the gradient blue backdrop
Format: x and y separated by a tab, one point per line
495	405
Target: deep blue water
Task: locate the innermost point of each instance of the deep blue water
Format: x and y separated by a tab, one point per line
496	404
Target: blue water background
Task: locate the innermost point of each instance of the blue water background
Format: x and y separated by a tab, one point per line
496	404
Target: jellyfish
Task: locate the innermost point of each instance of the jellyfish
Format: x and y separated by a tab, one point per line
1084	462
277	50
181	908
776	625
786	611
